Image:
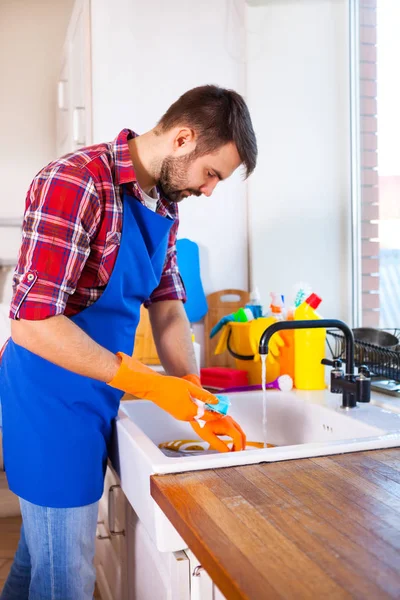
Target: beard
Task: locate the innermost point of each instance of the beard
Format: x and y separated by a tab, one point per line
173	178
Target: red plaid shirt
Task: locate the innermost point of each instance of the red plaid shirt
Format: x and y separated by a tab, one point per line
72	231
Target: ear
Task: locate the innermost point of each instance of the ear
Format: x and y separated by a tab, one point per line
184	141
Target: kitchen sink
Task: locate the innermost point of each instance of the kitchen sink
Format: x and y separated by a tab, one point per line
299	425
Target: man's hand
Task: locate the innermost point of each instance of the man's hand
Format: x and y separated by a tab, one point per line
224	425
195	379
172	394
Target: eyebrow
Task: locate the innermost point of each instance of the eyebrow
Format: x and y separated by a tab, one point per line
218	175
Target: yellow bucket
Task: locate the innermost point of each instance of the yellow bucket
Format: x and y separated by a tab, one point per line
239	346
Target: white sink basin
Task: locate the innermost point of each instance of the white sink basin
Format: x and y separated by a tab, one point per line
300	424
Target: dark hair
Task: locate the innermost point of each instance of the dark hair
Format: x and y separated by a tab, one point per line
218	116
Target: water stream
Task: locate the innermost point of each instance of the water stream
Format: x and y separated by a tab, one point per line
264	391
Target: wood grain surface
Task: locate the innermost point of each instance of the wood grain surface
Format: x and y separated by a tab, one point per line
316	528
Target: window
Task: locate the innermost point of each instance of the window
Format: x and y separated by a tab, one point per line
375	54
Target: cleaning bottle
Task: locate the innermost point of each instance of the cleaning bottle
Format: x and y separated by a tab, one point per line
276	306
254	303
309	348
243	315
197	350
286	359
300	292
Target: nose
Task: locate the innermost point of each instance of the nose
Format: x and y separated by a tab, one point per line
208	188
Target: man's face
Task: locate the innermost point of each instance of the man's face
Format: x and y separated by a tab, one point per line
193	175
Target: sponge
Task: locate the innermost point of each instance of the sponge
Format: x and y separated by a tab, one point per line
223	404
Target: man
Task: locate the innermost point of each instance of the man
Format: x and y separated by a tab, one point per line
99	240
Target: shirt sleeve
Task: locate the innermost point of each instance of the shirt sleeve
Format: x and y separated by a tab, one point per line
171	286
61	218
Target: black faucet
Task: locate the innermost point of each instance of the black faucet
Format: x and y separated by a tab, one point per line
354	388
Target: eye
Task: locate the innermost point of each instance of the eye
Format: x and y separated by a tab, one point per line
210	174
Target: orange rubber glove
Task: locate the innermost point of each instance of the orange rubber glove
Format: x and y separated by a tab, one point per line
172	394
224	425
195	379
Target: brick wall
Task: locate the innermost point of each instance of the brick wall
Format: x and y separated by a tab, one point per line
369	163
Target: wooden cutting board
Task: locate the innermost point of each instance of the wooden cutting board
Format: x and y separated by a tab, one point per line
145	348
220	304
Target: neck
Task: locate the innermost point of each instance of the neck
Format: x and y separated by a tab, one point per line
142	151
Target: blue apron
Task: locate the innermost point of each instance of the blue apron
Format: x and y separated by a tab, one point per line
57	424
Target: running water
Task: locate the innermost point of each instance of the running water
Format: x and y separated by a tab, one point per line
264	391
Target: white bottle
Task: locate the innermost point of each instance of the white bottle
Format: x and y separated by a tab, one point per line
197	351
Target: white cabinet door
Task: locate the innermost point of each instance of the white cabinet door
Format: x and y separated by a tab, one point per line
102	584
63	134
79	52
74	124
201	584
154	575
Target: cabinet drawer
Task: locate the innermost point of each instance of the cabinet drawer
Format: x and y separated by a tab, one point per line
102	584
111	481
111	548
112	508
154	575
109	563
201	585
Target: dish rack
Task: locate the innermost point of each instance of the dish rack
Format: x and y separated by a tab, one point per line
383	363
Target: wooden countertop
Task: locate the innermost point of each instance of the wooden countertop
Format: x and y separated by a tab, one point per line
316	528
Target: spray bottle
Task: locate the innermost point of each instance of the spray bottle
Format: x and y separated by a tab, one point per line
276	306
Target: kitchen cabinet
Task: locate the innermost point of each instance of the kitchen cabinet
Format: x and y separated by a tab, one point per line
63	110
201	584
163	575
74	121
111	540
151	573
129	566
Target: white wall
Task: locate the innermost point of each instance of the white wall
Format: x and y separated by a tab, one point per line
297	90
155	51
298	94
31	39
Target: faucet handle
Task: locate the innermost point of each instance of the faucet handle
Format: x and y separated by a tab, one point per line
363	384
327	362
336	373
364	371
336	363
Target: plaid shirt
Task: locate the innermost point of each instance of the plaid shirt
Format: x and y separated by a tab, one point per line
72	232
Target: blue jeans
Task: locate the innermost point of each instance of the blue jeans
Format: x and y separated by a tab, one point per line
54	559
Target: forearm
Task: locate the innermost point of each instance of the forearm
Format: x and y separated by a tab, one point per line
171	332
63	343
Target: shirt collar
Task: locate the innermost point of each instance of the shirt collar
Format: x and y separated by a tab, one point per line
125	173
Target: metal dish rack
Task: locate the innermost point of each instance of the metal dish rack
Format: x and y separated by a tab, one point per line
383	363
